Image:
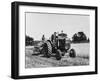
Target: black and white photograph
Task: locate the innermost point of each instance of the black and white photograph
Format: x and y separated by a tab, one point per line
50	40
56	40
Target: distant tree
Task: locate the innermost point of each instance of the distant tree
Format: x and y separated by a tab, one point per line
29	40
79	37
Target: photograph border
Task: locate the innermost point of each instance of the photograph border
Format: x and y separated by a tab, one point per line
15	39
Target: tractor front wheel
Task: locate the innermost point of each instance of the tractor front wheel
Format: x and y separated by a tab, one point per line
72	53
58	55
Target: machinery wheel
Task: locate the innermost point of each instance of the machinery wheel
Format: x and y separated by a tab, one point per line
72	53
58	55
47	49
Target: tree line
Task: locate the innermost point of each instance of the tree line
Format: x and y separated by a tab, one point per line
29	40
79	37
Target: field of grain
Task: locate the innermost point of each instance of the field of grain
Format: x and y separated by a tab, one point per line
37	61
82	49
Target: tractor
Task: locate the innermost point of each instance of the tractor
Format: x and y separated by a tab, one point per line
57	47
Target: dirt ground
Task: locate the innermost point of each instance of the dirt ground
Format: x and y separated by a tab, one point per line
37	61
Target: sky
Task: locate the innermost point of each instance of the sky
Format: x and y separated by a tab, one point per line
38	24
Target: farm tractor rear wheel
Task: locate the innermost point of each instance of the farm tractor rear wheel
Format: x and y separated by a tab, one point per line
72	53
47	49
